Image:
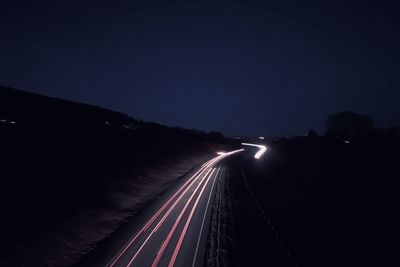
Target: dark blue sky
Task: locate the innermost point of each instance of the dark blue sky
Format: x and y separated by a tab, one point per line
240	67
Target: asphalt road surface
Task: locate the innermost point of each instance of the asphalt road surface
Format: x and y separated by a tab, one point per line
172	231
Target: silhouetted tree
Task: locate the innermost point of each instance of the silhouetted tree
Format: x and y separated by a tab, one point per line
348	123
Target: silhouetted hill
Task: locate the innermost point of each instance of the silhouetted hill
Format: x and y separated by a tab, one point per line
59	158
34	109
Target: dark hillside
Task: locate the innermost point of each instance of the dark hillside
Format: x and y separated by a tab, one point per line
333	201
59	158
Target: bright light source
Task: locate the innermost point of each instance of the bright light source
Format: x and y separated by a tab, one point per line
347	141
221	153
261	137
260	152
233	152
12	122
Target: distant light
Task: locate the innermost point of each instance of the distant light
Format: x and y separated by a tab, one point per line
128	127
261	137
3	120
347	141
107	123
12	122
237	137
220	153
260	152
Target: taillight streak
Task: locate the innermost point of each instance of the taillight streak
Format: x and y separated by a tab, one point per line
187	184
171	232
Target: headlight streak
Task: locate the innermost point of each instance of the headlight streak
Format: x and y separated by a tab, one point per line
261	150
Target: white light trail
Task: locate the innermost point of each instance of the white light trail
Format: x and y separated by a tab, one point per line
260	152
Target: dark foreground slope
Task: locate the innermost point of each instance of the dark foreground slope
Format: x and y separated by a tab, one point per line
332	202
71	173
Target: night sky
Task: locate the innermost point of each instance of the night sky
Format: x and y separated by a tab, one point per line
240	67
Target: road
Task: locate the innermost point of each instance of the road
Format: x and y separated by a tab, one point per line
172	231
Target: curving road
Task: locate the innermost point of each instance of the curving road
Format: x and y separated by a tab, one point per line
172	231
